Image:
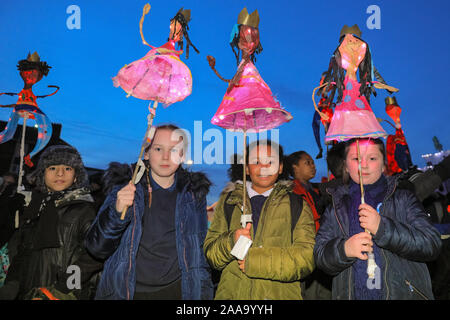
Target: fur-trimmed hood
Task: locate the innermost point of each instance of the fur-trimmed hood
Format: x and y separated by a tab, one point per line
121	173
80	194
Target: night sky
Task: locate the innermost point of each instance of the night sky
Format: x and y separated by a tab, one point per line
411	51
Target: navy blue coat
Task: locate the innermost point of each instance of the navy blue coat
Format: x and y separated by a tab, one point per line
118	240
405	236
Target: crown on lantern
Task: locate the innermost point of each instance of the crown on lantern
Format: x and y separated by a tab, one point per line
33	57
353	30
391	101
251	20
185	13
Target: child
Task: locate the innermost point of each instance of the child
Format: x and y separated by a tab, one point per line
281	253
155	252
51	237
302	168
401	235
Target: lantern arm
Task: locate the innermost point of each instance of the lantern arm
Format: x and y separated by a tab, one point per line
237	77
145	11
8	94
322	115
381	120
48	95
212	64
168	51
380	83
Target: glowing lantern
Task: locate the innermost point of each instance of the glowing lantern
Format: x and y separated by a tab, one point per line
393	110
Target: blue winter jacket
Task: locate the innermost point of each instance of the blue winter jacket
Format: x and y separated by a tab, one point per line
118	240
405	236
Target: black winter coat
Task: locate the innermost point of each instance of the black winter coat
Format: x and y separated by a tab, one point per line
48	266
405	236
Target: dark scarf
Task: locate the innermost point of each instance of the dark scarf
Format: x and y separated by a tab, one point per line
374	195
257	203
43	211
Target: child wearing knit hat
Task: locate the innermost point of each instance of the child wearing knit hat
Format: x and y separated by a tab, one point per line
52	262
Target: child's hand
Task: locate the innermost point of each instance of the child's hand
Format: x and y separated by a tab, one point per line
357	244
369	218
125	197
243	232
242	265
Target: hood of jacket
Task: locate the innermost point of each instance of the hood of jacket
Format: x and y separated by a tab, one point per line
81	194
121	173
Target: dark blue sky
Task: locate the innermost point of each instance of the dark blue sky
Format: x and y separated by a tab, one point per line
411	51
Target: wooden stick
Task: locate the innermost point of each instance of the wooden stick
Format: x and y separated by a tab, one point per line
360	174
244	194
328	168
20	187
152	116
371	264
22	152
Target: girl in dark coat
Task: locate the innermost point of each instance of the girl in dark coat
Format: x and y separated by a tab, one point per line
155	252
401	235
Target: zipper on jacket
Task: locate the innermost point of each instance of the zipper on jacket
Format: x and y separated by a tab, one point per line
342	229
335	214
412	288
184	250
385	274
350	284
381	249
131	252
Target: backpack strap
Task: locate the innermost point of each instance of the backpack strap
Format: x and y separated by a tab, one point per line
296	202
228	209
296	210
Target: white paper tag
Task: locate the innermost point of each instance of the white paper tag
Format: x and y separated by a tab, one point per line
140	173
241	247
245	218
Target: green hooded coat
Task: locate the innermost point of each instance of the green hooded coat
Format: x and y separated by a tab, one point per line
277	259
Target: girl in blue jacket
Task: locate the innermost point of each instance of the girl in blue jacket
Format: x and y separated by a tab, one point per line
401	236
156	251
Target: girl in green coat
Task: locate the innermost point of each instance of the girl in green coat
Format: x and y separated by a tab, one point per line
283	241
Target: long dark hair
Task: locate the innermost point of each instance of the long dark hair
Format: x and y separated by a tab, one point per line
42	66
237	52
336	73
179	17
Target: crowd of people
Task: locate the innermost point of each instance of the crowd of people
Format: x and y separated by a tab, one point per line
68	240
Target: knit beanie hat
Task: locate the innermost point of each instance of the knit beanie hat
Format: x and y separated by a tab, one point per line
59	155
